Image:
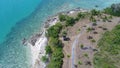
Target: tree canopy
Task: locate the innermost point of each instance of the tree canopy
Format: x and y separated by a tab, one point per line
113	10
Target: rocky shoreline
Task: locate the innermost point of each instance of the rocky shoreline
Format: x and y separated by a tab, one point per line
38	41
51	21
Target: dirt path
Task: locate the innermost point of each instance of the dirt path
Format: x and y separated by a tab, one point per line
76	42
75	56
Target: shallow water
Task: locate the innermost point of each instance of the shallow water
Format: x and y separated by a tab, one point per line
28	20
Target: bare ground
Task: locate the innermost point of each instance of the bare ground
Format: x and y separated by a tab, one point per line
84	55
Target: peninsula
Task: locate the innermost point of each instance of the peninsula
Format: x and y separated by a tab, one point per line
79	39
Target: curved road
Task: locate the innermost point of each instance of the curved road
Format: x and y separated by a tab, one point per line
76	42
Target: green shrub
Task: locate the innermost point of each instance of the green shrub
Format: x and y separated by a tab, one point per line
79	62
93	41
110	17
70	21
55	42
89	29
54	30
55	46
92	19
68	56
44	59
79	29
56	59
64	33
81	15
95	12
48	49
86	55
81	45
62	17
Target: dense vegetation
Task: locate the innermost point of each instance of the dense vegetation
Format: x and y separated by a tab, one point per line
109	54
109	45
113	10
54	47
55	30
95	12
69	21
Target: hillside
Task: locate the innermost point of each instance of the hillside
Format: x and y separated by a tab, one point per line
84	39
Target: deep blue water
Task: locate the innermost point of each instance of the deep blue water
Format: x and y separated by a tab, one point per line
23	18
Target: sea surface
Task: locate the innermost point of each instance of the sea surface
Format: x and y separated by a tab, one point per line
23	18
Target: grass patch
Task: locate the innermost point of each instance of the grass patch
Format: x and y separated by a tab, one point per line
68	56
79	62
109	54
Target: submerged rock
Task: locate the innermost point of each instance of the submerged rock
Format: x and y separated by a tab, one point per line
24	40
33	39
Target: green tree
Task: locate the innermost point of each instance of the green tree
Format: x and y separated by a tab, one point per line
95	12
81	45
56	59
55	42
79	62
89	29
48	49
92	19
70	21
64	33
54	30
44	59
113	10
62	17
81	15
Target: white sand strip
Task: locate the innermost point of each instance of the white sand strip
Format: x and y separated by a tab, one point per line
38	50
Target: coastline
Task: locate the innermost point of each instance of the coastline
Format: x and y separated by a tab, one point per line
16	55
38	42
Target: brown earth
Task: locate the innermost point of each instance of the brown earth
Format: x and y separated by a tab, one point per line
85	55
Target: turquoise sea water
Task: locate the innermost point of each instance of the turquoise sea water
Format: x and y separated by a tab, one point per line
23	18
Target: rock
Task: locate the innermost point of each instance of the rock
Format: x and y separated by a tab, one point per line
84	26
88	63
24	41
99	26
66	38
93	28
94	24
96	6
104	28
35	38
89	37
109	21
84	48
119	22
95	32
95	50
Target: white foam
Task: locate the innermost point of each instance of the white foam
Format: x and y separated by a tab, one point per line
38	50
71	12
